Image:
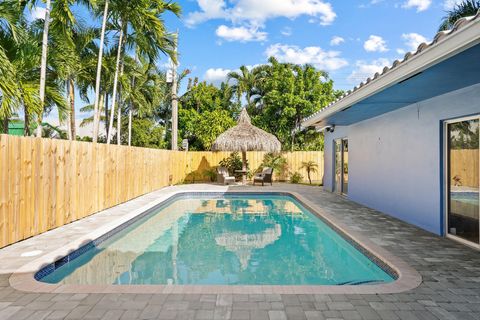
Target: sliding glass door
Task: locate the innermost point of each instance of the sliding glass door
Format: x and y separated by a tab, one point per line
462	179
341	166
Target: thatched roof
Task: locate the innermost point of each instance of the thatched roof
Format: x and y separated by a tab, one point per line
246	137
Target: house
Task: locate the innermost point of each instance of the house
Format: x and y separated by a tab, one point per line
406	142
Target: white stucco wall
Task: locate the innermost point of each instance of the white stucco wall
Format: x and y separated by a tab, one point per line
395	158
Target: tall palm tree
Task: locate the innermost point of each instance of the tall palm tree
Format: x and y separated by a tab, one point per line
142	18
460	10
96	112
24	56
10	17
73	57
245	82
43	65
59	15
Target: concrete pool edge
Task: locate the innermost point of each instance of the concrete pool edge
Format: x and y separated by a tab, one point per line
408	278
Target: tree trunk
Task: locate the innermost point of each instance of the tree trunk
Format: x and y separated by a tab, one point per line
69	124
96	112
26	128
129	127
119	110
5	125
71	93
175	99
309	179
244	167
115	85
43	65
119	122
106	115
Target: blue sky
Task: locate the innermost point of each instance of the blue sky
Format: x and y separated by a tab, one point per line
351	39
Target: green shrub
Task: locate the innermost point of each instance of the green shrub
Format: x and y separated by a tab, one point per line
210	174
233	162
296	178
278	163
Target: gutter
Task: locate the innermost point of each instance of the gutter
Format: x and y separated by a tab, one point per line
464	35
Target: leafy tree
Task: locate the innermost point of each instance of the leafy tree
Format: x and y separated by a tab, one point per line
145	133
289	93
205	112
460	10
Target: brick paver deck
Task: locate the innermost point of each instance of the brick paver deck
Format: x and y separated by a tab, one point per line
450	287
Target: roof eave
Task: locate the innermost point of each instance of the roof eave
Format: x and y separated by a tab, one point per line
463	39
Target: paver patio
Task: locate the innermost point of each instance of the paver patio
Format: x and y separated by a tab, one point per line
450	271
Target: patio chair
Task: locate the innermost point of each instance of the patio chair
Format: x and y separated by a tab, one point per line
264	176
223	177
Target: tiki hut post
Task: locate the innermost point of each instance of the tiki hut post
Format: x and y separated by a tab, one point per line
246	137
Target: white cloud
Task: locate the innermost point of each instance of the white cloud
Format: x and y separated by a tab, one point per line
450	4
420	5
375	44
326	60
216	75
257	12
287	31
365	70
413	40
37	13
336	41
242	34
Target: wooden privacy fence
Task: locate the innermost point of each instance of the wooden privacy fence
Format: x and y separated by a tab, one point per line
465	166
47	183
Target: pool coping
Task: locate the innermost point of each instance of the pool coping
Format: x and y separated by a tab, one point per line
23	279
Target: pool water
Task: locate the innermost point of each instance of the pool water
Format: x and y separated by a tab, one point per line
228	239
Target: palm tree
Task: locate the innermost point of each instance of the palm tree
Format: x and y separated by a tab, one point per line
73	58
310	167
62	19
24	56
96	112
143	19
460	10
43	65
245	82
10	16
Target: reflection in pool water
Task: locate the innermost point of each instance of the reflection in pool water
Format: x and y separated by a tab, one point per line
233	240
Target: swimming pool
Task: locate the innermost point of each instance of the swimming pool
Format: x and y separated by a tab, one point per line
227	239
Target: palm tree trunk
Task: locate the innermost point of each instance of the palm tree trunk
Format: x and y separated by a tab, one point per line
129	127
26	123
119	122
106	114
96	112
119	110
71	93
5	125
69	124
115	84
43	66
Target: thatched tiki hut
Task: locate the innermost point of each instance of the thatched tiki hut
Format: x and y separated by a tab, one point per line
246	137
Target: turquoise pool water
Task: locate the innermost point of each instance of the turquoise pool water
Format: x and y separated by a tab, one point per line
231	239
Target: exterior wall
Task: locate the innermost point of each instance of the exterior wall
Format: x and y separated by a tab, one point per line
395	159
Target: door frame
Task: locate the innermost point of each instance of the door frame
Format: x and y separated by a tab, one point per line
342	163
446	180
